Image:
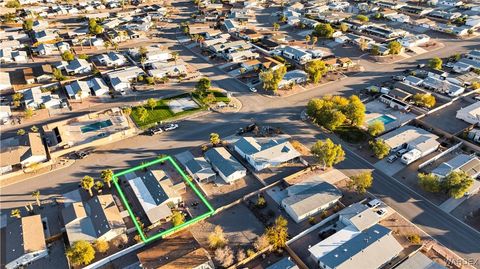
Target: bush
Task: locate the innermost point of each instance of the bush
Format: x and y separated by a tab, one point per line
261	202
414	239
312	220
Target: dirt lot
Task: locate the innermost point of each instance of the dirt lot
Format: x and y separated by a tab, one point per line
220	195
469	211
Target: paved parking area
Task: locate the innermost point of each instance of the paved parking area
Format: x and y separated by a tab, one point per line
445	118
389	168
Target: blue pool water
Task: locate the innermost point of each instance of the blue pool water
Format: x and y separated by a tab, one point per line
384	118
96	126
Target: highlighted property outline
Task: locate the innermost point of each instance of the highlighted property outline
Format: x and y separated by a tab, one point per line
173	229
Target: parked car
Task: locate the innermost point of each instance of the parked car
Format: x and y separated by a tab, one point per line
381	212
420	65
398	78
374	203
170	127
79	154
401	152
252	89
155	130
392	158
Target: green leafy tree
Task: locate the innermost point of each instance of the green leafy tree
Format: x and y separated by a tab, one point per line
87	184
151	103
361	182
68	56
332	119
327	153
376	127
107	176
94	28
57	74
101	246
127	111
98	186
271	78
13	4
362	18
80	253
379	148
424	99
36	195
142	113
435	63
324	30
177	218
429	182
315	70
15	213
17	98
203	85
276	26
21	132
217	239
457	183
28	113
278	233
215	139
394	47
343	27
355	111
27	25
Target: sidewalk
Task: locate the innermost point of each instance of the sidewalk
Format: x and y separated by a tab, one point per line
452	203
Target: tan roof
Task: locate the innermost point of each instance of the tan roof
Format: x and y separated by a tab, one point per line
36	144
32	228
27	73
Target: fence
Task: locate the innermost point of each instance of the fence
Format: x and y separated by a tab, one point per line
438	156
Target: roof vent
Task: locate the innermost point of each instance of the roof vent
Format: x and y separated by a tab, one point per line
344	250
336	255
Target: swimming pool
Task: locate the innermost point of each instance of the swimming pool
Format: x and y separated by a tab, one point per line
96	126
383	118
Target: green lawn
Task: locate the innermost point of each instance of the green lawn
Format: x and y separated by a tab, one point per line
219	96
160	113
351	134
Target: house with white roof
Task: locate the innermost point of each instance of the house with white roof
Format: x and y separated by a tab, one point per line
308	198
120	79
297	54
5	84
470	164
98	86
26	242
112	59
470	114
34	98
263	153
227	167
5	114
156	194
44	49
78	66
78	89
46	35
417	141
414	40
293	77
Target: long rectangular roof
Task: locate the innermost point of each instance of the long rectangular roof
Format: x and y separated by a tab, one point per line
409	135
223	161
25	236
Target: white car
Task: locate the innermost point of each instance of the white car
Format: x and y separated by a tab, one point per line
381	212
170	127
252	89
374	203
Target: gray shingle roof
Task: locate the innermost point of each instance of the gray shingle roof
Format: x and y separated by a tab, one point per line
223	161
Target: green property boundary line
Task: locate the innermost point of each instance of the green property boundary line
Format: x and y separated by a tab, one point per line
173	229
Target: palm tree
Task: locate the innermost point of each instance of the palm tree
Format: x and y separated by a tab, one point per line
314	41
175	56
142	61
36	195
107	176
15	213
87	183
307	39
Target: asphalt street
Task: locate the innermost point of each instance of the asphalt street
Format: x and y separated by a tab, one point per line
275	111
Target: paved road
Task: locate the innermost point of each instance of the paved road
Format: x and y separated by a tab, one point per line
283	113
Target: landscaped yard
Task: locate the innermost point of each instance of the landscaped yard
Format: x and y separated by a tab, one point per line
219	96
351	134
159	113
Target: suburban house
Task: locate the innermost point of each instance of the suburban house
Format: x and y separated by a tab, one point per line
361	243
394	102
420	260
120	79
95	219
21	152
227	167
44	49
156	194
5	84
442	86
418	142
200	169
293	77
28	75
43	73
78	66
98	86
26	242
112	59
414	40
5	114
45	36
469	164
179	251
34	98
167	69
78	89
470	114
306	199
263	153
297	54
